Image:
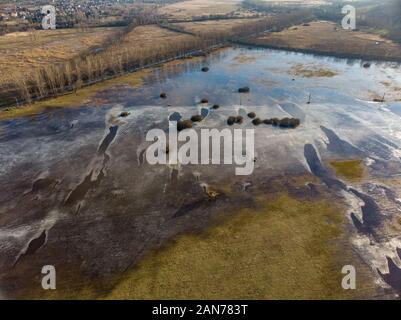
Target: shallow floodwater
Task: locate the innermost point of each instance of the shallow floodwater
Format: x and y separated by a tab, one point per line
76	187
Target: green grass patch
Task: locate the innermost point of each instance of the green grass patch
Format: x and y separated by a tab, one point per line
352	170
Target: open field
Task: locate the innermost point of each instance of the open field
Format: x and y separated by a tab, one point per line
302	3
153	36
215	26
192	8
247	255
22	52
251	256
328	38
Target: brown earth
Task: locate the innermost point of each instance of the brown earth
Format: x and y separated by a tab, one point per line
190	8
218	26
328	38
21	52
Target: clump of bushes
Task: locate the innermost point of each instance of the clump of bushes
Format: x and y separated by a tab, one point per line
267	121
163	95
234	119
283	123
216	106
275	121
251	115
205	69
231	120
239	119
184	124
256	121
289	122
204	100
196	118
243	90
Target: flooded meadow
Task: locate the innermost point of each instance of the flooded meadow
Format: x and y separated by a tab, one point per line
78	193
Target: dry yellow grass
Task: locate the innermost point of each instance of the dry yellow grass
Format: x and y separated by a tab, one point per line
190	8
328	37
142	42
151	36
311	71
295	2
223	25
22	52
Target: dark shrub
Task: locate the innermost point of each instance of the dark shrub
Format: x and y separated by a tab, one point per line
163	95
231	120
256	121
124	114
251	115
196	118
244	90
204	100
267	121
295	122
366	65
289	123
216	106
285	122
275	121
205	69
239	119
184	124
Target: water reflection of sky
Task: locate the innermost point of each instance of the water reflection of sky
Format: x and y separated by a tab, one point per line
268	74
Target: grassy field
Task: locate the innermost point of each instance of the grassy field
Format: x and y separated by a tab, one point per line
191	8
224	25
285	249
22	52
327	37
351	170
294	2
153	36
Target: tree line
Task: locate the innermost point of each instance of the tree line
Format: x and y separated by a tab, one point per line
120	57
